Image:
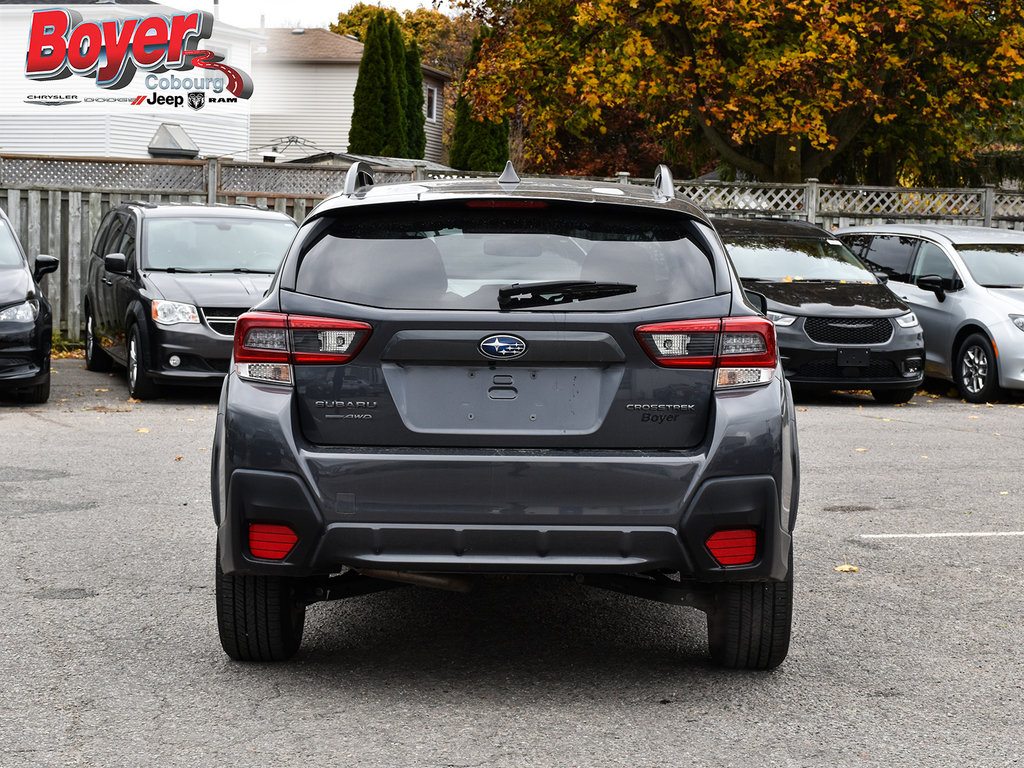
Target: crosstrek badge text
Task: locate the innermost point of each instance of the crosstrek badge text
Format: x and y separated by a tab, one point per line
61	44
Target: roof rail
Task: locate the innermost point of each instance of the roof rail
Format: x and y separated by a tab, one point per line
664	184
359	176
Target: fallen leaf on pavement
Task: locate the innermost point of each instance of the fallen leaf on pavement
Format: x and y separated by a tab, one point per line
142	429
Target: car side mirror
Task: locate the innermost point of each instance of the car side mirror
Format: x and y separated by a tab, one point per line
116	263
758	300
44	266
883	278
933	283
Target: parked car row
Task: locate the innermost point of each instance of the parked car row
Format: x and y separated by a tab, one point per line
437	381
880	307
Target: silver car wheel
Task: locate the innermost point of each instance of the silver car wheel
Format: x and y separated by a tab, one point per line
133	363
975	369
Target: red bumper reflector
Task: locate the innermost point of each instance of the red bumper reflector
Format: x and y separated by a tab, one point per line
736	547
271	542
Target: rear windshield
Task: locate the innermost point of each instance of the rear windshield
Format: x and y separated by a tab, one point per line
792	259
460	256
210	244
10	256
995	266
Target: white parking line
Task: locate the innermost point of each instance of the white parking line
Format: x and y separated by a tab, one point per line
978	534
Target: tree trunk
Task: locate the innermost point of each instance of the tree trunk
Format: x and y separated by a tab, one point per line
787	168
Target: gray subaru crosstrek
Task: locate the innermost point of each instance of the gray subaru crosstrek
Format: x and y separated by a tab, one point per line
453	380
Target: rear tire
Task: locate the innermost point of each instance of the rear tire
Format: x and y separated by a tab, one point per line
975	372
260	618
95	358
893	396
750	625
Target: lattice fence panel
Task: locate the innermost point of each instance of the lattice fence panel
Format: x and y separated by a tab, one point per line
1009	205
901	202
746	197
292	179
101	174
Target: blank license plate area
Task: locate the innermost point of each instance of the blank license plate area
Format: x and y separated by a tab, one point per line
447	400
854	358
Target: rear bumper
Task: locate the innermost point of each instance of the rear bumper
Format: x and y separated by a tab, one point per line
506	511
326	546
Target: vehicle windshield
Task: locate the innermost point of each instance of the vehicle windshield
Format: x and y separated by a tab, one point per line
465	255
793	259
10	256
216	244
995	266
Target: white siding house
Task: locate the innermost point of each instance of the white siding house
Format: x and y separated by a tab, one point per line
120	128
307	79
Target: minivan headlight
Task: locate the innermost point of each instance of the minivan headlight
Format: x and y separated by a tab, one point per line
1018	320
171	312
780	319
908	320
26	312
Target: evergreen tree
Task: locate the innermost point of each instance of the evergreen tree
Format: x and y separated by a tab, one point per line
414	102
396	126
477	145
369	113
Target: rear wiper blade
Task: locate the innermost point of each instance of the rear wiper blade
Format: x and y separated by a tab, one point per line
517	296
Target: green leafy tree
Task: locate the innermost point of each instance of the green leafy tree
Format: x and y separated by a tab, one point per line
369	110
477	144
414	101
396	126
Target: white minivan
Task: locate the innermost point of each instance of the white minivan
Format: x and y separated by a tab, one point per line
966	285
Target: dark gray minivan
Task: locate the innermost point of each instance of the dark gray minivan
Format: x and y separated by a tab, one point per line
455	379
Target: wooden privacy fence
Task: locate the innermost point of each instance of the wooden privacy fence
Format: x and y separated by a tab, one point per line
56	203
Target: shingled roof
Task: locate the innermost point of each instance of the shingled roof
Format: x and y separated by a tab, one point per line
313	44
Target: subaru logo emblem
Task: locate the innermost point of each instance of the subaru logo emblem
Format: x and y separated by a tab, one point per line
502	347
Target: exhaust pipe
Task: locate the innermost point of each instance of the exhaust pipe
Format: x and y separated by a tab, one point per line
448	583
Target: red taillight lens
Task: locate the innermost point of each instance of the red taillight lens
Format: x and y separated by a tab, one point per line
741	348
734	547
271	542
747	341
267	344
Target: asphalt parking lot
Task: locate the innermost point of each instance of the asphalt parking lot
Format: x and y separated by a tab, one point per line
907	647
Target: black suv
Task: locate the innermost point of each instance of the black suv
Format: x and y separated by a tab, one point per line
839	326
166	283
26	321
455	379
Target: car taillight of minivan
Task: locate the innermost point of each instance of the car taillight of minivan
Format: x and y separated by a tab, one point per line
741	349
268	344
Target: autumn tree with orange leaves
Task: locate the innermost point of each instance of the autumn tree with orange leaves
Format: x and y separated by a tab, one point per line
778	89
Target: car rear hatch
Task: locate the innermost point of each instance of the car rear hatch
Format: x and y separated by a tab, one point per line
536	325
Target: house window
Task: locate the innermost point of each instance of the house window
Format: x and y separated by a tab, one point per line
431	104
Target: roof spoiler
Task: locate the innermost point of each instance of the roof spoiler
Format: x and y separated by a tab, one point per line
664	184
359	176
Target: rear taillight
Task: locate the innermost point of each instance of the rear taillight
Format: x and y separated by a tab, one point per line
271	542
741	349
268	344
733	547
